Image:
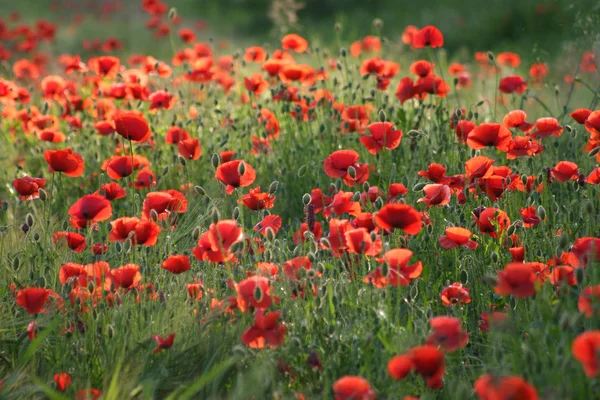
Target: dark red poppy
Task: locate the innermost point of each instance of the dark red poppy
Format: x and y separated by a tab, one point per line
33	299
163	343
529	216
456	236
89	209
270	222
189	149
111	191
254	292
267	331
581	115
118	167
28	187
299	236
491	221
429	36
256	200
235	174
353	388
402	216
176	134
490	134
427	361
517	279
564	171
139	232
164	203
65	161
177	264
447	333
62	381
383	135
454	294
512	84
256	84
400	273
74	241
492	319
131	125
126	276
436	195
294	42
490	387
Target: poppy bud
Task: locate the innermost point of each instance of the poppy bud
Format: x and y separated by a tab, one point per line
110	331
297	250
568	128
592	153
332	188
491	56
511	229
413	133
373	236
301	273
356	196
172	13
29	219
214	216
419	186
494	257
325	243
343	52
45	107
385	269
366	186
378	202
181	160
580	274
382	116
352	172
153	215
311	257
541	211
490	280
242	168
165	170
127	245
258	294
200	190
237	247
337	27
16	263
563	241
196	234
216	160
118	247
306	199
25	228
36	236
43	195
273	187
5	204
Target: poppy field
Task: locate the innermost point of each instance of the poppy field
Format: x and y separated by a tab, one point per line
356	218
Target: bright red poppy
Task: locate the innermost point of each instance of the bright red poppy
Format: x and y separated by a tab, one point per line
447	333
28	187
131	125
62	381
177	264
489	387
427	361
65	161
454	294
267	331
74	240
294	42
490	135
456	236
34	300
163	343
235	174
257	200
89	209
383	135
517	279
400	216
429	36
586	349
353	388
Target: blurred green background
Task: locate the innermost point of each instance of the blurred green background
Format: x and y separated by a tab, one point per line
538	25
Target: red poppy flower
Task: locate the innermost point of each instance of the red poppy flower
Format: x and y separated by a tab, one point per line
427	361
256	200
88	394
490	387
369	44
586	348
294	42
402	216
111	191
479	167
455	237
563	274
517	253
254	292
564	171
267	331
255	54
359	241
517	279
256	84
581	115
235	174
215	244
75	241
491	221
65	161
293	266
299	236
529	216
382	135
163	343
28	187
489	134
429	36
589	301
592	123
62	381
177	264
126	276
436	195
118	167
492	319
435	173
422	68
353	388
405	90
511	59
189	149
512	84
33	299
105	66
400	273
454	294
338	162
586	249
141	232
176	134
447	333
270	222
51	135
517	119
538	72
89	209
545	127
164	203
132	126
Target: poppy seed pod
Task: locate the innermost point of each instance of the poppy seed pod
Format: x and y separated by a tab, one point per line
306	199
273	187
181	160
215	160
214	215
541	211
343	52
